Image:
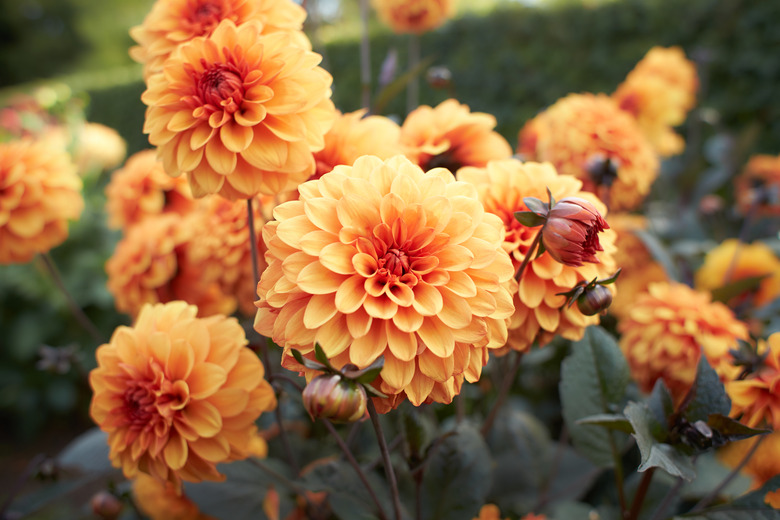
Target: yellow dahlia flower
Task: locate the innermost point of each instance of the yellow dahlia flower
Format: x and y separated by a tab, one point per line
762	466
759	185
150	265
540	312
757	398
665	331
159	500
141	188
178	394
382	259
39	192
414	16
171	23
732	261
659	92
239	112
451	136
581	135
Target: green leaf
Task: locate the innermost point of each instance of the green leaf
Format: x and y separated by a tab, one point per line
593	381
653	452
320	355
396	86
368	374
88	452
308	363
661	405
732	430
750	506
529	218
708	395
536	206
457	476
738	287
609	421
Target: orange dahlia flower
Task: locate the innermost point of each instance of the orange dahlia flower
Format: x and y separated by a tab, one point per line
666	330
141	188
160	501
171	23
150	265
757	398
759	185
581	135
98	147
762	466
732	261
39	192
489	512
414	16
178	394
451	136
659	92
540	312
382	259
239	112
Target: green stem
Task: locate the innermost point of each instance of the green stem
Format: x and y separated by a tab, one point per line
529	255
380	437
503	392
641	492
413	87
619	476
365	56
671	495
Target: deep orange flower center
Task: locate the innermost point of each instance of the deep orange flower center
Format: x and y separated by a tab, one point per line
205	16
446	159
395	262
149	403
221	86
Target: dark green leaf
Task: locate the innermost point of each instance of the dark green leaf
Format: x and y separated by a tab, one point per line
529	218
738	287
368	374
320	355
536	206
308	363
708	395
750	506
609	421
731	430
611	279
593	381
661	405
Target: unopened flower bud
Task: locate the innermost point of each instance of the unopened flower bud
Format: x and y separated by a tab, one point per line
570	234
105	505
594	300
603	170
439	77
329	396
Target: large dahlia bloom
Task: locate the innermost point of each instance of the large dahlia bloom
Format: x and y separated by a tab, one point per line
659	92
733	260
540	311
239	112
756	399
171	23
451	136
414	16
667	329
589	137
758	186
178	394
382	259
39	192
141	188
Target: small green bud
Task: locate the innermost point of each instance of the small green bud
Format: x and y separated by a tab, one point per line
594	300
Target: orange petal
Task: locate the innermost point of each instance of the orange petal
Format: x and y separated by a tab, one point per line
175	452
205	379
203	417
436	336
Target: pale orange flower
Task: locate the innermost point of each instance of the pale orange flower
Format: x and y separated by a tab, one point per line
150	265
39	192
666	330
580	133
159	500
239	112
540	312
414	16
141	188
178	394
171	23
732	261
659	92
758	186
451	136
382	259
757	398
98	147
762	466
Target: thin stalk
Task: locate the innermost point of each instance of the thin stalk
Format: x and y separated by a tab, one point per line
352	462
380	437
413	87
365	56
619	477
503	392
278	476
544	496
418	479
75	310
671	495
529	255
641	492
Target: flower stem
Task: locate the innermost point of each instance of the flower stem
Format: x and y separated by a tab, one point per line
380	437
365	56
351	459
413	87
529	255
503	392
671	495
641	492
75	310
278	476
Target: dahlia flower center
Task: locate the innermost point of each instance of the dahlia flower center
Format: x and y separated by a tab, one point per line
206	16
395	262
222	86
149	402
444	160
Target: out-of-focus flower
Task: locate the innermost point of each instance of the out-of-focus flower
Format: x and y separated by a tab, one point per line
762	466
98	147
106	505
354	135
171	23
159	500
141	188
150	265
451	136
757	397
178	394
665	331
382	259
659	92
732	261
330	396
239	112
489	512
758	186
540	311
584	135
571	233
39	192
414	16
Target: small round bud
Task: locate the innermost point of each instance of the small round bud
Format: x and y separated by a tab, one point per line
594	300
105	505
330	396
439	77
603	170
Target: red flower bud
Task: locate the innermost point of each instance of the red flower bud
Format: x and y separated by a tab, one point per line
105	505
594	300
570	234
331	397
